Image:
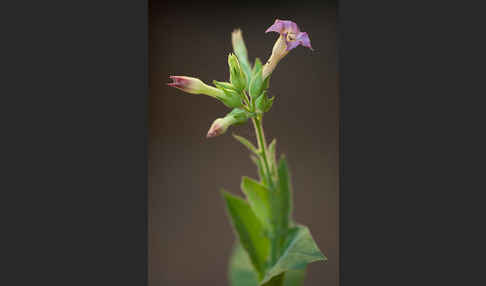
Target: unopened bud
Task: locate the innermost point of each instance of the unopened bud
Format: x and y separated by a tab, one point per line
239	45
237	76
194	86
220	125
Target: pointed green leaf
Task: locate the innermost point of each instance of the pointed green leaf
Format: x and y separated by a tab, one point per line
231	99
261	173
294	277
256	84
266	82
261	101
299	250
224	85
249	230
268	104
282	200
241	271
246	143
240	50
257	66
272	154
237	75
259	198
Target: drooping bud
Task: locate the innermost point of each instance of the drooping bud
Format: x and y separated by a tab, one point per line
220	125
194	86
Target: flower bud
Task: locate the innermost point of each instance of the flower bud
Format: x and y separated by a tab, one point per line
239	45
237	76
239	48
194	86
220	125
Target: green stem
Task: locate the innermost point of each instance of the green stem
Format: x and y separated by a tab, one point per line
262	145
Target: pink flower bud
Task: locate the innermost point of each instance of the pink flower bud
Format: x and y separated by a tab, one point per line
194	86
218	127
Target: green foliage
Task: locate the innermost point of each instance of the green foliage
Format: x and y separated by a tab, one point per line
259	198
246	143
294	277
299	250
282	199
232	97
241	271
271	249
241	52
240	115
256	84
261	172
264	103
237	75
263	224
257	66
249	230
224	85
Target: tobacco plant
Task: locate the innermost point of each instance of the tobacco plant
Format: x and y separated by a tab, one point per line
271	248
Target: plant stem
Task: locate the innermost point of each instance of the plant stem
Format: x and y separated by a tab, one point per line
262	146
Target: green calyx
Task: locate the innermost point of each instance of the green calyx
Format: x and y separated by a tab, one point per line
237	75
264	103
230	97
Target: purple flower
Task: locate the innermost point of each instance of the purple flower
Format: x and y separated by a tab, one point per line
291	33
290	37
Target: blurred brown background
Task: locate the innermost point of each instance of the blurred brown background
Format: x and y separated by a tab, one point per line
190	237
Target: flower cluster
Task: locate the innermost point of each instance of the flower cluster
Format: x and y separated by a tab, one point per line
245	92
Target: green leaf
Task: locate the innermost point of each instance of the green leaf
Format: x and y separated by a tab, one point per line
294	277
266	82
261	102
241	271
240	50
249	230
299	250
261	173
246	143
256	85
268	104
264	103
257	66
224	85
259	198
231	98
272	154
240	115
237	75
282	200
